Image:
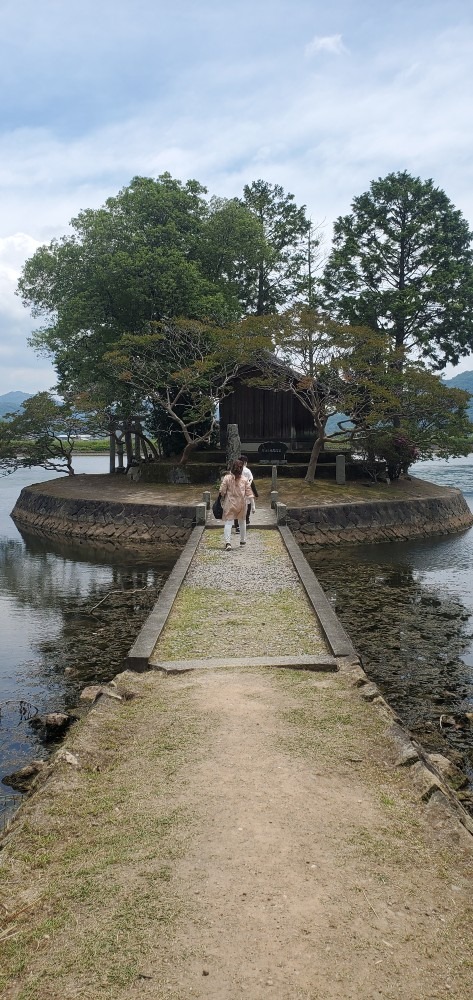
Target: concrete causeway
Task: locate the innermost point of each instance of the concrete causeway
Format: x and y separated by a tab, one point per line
257	605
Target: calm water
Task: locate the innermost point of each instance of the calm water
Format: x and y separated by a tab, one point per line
50	645
409	610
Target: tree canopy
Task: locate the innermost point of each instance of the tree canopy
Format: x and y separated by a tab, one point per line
133	261
155	298
389	405
156	250
402	262
183	368
281	271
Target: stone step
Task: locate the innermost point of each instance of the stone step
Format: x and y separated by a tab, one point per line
264	517
305	662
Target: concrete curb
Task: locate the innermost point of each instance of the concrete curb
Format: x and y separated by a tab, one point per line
338	640
305	662
148	635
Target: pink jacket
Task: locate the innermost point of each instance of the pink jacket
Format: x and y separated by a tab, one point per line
235	493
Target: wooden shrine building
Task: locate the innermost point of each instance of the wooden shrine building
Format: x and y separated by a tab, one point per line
265	415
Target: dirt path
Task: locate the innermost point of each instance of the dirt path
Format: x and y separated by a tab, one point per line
235	834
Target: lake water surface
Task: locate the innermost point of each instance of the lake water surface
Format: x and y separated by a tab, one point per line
50	644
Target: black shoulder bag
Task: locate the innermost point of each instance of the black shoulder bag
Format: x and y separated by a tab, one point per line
217	509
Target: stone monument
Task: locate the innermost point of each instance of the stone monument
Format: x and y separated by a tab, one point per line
233	444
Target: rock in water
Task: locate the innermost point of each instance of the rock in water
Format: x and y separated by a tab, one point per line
21	780
54	722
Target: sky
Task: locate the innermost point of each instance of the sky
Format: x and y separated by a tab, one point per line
321	98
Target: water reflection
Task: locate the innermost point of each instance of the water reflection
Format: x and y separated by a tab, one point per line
68	614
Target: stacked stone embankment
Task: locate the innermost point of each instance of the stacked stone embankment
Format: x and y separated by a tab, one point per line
380	521
130	523
114	510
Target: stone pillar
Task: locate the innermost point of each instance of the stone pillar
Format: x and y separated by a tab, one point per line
274	477
120	444
200	513
274	499
206	498
340	477
233	443
281	513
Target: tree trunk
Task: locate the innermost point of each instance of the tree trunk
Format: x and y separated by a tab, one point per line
314	457
189	448
260	301
128	447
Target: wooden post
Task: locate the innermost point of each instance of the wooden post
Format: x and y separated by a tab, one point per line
137	449
128	446
120	453
112	450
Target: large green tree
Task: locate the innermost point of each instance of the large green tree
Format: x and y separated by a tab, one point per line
402	262
231	246
280	274
157	249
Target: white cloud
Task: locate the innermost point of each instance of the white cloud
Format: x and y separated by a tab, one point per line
237	106
325	43
14	250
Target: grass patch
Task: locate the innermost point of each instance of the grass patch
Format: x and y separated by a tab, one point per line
100	855
207	622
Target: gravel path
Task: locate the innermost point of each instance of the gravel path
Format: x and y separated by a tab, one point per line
261	564
248	600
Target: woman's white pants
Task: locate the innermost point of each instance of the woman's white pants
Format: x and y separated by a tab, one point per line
227	530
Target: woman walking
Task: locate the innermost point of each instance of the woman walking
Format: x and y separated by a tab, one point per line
235	491
250	504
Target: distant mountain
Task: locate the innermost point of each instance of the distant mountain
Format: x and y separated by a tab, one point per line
464	380
10	402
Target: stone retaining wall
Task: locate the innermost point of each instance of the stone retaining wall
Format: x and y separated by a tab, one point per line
380	521
131	524
137	524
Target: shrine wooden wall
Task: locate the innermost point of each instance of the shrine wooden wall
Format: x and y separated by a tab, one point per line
263	415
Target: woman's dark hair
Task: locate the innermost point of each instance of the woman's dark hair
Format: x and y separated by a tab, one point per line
244	459
237	468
